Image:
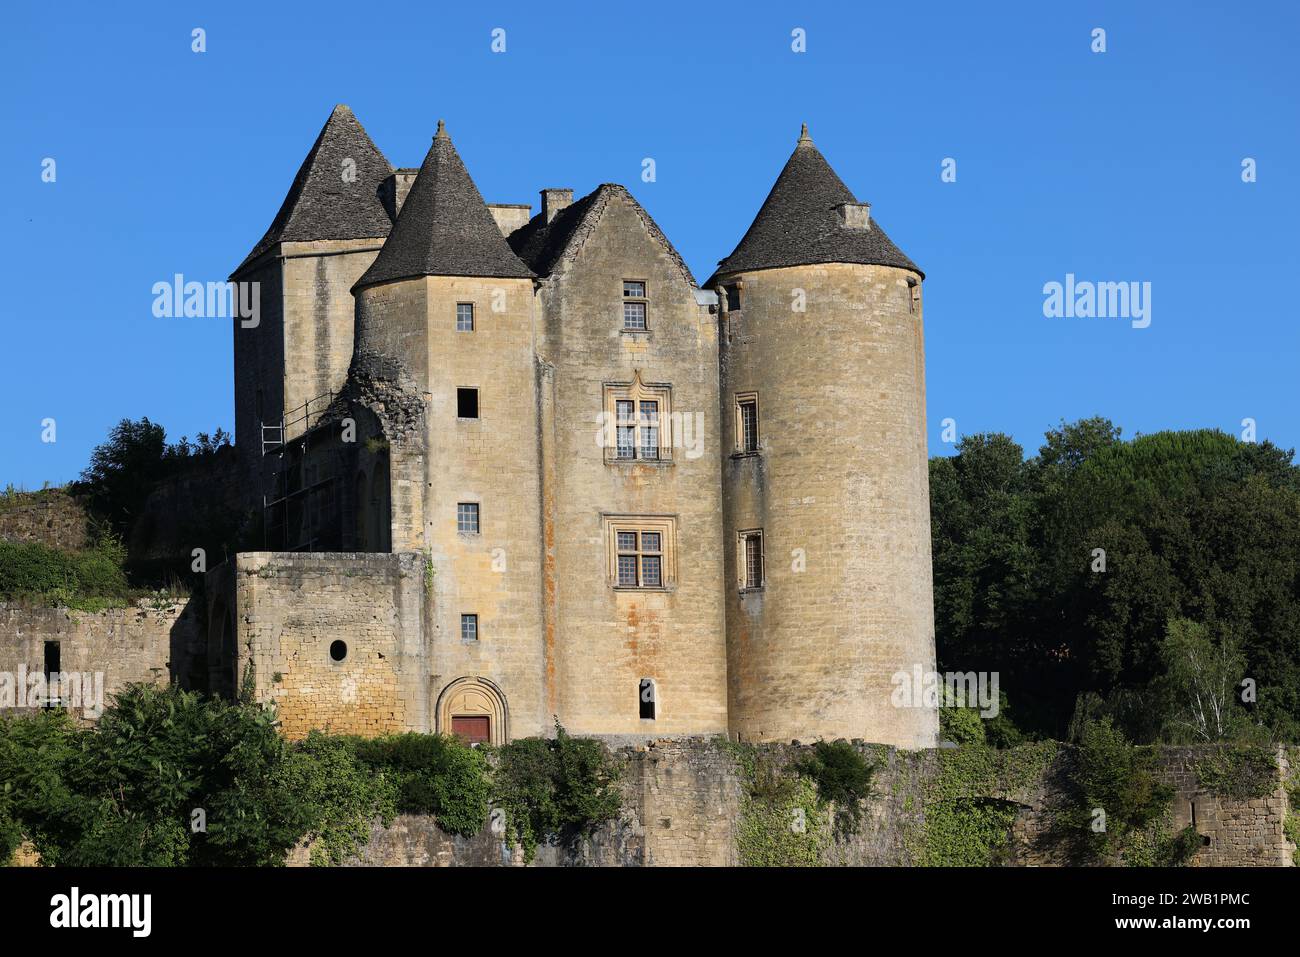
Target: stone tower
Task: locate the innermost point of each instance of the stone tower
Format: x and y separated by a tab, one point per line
825	489
444	326
327	233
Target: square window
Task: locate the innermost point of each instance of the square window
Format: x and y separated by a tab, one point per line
634	315
467	517
469	627
640	551
464	317
467	403
633	289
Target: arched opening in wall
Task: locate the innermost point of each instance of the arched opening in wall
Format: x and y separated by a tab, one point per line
473	709
361	513
380	505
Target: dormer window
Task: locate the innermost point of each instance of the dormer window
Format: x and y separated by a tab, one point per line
855	215
634	305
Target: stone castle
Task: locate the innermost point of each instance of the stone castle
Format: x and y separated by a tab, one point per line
514	468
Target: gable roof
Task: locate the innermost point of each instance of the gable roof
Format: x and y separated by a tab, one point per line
545	246
798	224
320	203
444	228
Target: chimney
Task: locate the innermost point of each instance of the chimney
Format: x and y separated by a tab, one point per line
854	215
393	190
510	216
554	200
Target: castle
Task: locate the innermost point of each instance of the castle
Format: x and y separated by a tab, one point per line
512	468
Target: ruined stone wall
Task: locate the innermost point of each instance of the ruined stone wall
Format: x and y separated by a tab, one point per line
287	610
137	644
839	489
50	517
683	802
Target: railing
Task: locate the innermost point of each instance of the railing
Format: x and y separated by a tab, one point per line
273	436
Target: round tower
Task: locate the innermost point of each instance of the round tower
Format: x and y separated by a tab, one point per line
825	489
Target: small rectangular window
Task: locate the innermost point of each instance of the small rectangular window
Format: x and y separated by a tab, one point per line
634	305
747	423
649	430
467	403
751	558
469	627
733	297
53	668
467	517
634	315
464	317
646	699
626	447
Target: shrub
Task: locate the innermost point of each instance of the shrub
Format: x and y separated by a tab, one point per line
433	774
551	787
843	779
1118	778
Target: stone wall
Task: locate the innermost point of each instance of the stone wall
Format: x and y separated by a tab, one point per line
50	517
683	802
276	615
125	645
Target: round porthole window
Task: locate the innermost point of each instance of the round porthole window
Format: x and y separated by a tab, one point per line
339	650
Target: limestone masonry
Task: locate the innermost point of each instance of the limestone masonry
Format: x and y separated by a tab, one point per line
515	468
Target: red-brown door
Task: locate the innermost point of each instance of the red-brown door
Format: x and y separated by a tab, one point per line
472	729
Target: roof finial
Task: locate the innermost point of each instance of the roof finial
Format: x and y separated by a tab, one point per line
803	135
442	131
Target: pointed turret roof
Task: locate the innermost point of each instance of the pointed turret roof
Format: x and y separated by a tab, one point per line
326	201
444	228
799	223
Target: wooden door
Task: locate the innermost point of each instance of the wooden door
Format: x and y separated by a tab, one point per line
472	729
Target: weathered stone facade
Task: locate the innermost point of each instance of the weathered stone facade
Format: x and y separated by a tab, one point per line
541	412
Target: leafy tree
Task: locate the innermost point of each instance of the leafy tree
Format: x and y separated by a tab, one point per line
1201	682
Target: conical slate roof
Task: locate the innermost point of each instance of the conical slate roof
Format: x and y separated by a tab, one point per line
322	203
444	228
798	224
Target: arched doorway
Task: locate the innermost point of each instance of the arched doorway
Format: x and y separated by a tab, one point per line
474	709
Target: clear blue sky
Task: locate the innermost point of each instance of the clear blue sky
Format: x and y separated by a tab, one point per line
1117	166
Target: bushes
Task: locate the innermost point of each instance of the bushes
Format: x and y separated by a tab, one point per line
843	779
32	569
550	787
1115	778
172	778
433	774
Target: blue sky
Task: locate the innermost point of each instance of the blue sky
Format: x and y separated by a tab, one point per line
1115	166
